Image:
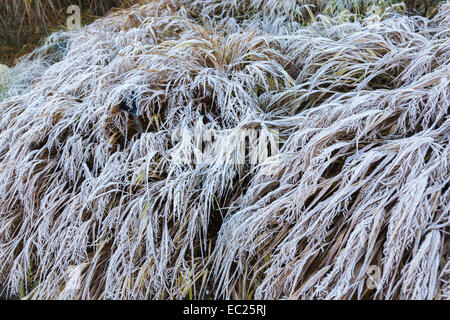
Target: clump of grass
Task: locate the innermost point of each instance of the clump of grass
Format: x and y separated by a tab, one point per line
94	209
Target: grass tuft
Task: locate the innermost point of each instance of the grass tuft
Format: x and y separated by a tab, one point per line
92	208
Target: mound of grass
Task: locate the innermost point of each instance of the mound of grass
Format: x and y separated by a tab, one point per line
354	176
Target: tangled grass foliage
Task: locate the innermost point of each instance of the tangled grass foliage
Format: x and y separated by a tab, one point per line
358	105
22	21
